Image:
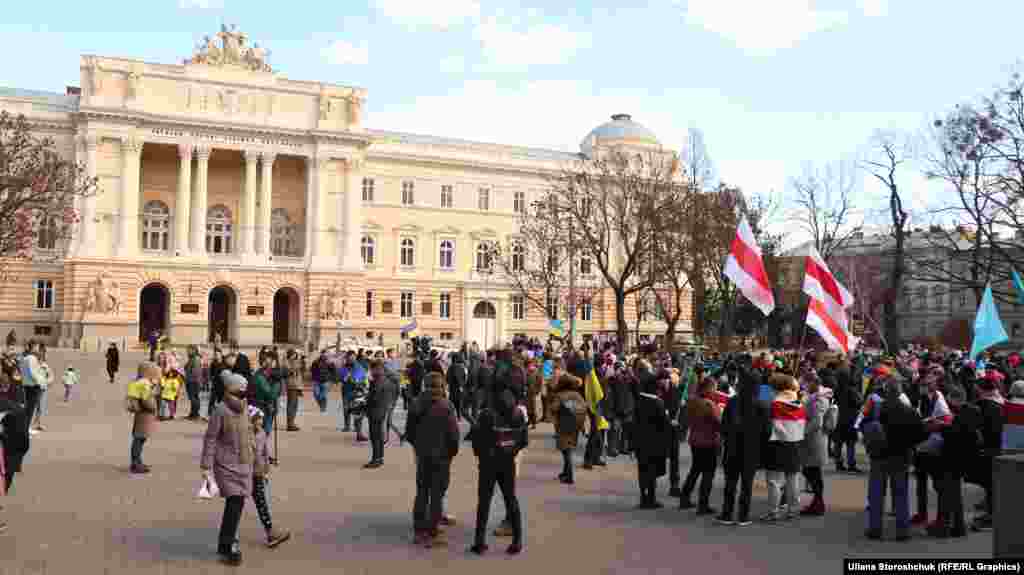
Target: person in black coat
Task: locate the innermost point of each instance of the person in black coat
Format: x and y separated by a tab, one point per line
992	440
457	375
113	361
383	394
959	444
745	427
217	366
849	399
651	435
499	434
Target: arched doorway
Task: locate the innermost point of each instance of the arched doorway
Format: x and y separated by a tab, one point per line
154	310
222	314
483	327
286	316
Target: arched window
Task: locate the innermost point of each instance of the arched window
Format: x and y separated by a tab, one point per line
282	234
218	230
156	226
447	254
484	310
518	257
366	249
484	256
49	229
408	252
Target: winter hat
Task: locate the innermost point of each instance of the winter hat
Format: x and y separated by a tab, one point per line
234	384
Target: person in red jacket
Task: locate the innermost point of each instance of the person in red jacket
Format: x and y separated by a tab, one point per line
705	419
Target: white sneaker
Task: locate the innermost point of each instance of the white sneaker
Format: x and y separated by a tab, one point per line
33	432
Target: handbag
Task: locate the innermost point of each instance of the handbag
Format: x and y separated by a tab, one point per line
208	489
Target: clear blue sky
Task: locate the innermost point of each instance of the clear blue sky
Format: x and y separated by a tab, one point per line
772	83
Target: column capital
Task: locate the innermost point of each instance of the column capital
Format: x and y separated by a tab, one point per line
185	150
251	156
89	141
131	144
268	157
203	152
318	162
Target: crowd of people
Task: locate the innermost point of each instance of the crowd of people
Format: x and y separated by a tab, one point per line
936	417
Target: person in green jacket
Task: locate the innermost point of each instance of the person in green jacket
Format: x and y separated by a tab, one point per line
268	390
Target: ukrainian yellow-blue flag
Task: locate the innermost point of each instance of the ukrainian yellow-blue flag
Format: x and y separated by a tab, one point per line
410	328
555	328
595	393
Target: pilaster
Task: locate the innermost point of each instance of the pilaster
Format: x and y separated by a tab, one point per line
199	207
266	193
128	219
183	200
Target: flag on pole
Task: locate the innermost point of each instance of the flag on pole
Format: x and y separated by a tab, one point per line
555	328
826	312
988	329
594	394
1019	284
745	268
410	328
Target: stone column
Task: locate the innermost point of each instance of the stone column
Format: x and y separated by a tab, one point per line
312	216
198	223
128	221
248	227
87	226
266	191
183	201
467	315
350	259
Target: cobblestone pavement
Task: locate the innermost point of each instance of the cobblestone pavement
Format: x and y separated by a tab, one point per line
76	510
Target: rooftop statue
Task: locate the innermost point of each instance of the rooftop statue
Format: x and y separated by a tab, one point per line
232	51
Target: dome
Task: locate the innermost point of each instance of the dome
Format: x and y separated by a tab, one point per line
620	130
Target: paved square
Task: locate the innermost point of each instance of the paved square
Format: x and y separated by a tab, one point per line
76	509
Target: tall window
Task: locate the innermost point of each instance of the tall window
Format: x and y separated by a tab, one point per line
585	266
586	311
937	297
483	201
447	254
447	197
48	232
922	298
552	305
367	248
218	230
518	307
408	252
44	294
369	304
553	256
408	197
445	309
282	234
519	203
963	298
484	256
406	304
518	257
367	189
156	228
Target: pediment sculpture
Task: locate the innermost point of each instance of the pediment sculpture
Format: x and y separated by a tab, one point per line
232	51
104	295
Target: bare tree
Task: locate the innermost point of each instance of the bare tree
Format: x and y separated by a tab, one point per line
824	207
39	191
885	160
612	199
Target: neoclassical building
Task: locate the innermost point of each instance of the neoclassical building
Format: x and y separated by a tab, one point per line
239	204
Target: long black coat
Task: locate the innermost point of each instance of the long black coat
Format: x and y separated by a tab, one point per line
746	425
113	360
651	433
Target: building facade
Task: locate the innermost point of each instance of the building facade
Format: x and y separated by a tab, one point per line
238	205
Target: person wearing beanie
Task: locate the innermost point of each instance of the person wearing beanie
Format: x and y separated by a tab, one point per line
261	479
228	455
142	400
433	430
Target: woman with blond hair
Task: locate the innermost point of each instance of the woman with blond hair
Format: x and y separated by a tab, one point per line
788	418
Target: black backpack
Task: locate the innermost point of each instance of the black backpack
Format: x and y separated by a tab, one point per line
567	415
904	427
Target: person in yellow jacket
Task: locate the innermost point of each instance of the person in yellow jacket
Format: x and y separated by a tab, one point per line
170	384
141	402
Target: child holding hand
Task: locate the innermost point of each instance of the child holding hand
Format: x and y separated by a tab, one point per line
261	479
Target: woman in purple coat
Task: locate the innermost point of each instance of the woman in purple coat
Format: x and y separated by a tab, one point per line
228	452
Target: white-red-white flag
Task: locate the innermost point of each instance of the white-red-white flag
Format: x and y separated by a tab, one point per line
826	312
745	268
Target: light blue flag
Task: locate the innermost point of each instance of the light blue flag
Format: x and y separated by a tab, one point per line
1019	284
988	329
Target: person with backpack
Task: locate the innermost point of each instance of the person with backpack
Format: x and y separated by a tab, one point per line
568	410
822	416
891	429
499	434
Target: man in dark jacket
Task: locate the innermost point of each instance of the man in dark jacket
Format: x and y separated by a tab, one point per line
990	404
113	361
498	436
384	385
670	395
896	420
457	375
849	399
433	430
623	402
745	425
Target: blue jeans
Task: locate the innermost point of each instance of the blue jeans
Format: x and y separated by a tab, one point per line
888	471
320	394
851	453
268	422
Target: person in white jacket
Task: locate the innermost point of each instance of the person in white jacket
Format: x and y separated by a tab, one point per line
32	378
44	381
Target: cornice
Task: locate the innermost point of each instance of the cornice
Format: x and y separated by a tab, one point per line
440	161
